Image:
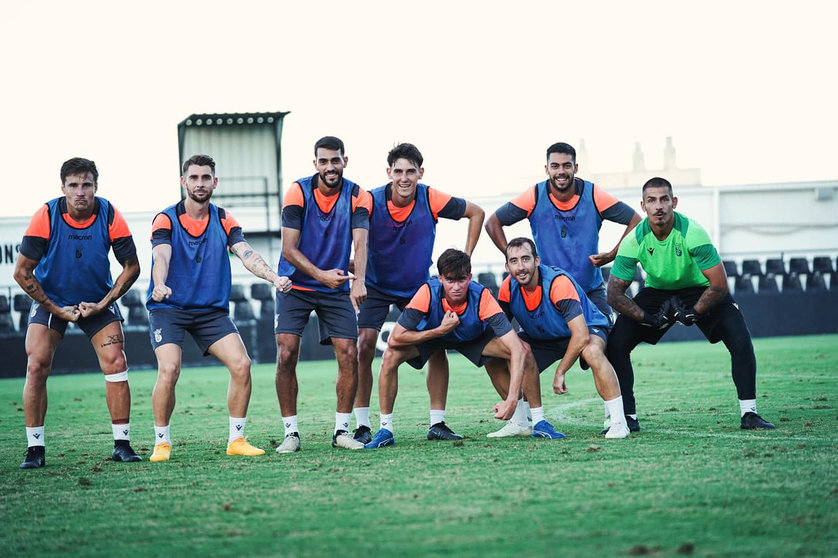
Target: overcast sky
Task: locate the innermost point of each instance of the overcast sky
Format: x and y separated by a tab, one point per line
746	89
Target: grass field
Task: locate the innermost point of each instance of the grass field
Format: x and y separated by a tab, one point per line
691	483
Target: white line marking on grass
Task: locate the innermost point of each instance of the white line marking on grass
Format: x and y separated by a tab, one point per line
561	416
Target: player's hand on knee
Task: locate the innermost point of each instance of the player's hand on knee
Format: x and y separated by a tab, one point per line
682	313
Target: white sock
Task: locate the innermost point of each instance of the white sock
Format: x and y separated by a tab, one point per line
35	435
236	428
120	431
161	434
537	414
362	416
614	409
342	421
386	422
520	415
607	412
290	424
437	416
528	411
747	406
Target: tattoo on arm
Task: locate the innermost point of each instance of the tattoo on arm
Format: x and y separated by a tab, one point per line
618	299
709	298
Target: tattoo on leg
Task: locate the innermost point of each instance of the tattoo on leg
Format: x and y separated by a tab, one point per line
113	340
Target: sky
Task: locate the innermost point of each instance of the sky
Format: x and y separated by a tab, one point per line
747	90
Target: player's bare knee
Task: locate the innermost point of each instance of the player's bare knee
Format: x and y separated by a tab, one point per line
168	372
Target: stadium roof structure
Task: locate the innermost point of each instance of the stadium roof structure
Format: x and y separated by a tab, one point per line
232	119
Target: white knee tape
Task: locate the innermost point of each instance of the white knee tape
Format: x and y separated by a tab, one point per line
118	377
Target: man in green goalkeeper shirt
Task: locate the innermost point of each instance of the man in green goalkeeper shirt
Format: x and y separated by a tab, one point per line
685	282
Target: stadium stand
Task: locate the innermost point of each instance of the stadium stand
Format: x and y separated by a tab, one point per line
7	324
22	303
134	301
264	293
488	280
242	311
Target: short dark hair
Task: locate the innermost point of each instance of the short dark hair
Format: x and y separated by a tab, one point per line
329	142
201	161
562	147
78	165
453	263
518	242
405	151
657	182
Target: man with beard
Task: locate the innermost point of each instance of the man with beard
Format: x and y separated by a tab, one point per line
402	231
559	323
190	291
685	282
566	214
64	266
324	217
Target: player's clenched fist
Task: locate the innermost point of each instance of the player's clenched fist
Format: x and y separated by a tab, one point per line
160	293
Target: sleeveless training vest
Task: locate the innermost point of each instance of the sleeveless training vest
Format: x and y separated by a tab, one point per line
546	321
76	267
325	238
470	328
400	252
566	238
199	270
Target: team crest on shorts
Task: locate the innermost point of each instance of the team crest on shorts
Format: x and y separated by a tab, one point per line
158	335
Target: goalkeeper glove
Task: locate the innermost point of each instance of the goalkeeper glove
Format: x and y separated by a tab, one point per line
660	319
684	314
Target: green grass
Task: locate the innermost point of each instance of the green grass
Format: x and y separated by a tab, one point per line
690	483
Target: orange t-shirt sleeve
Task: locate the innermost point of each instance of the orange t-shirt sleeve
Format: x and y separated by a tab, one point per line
503	292
119	227
562	289
294	196
437	200
602	199
421	301
488	306
161	221
39	226
362	200
229	222
525	200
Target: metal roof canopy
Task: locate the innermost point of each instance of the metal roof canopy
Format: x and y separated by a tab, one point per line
247	148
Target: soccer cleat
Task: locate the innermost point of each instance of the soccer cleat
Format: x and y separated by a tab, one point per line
440	431
363	434
752	421
239	446
632	423
342	439
382	439
34	457
162	452
290	444
122	451
543	429
617	431
511	429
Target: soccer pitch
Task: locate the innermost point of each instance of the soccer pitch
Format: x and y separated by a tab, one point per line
690	483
